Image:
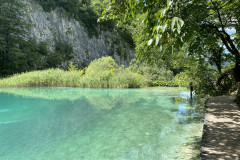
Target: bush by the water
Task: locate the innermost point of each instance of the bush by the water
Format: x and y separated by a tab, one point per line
124	78
182	79
101	73
154	71
165	83
50	77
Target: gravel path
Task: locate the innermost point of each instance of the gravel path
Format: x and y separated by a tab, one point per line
221	131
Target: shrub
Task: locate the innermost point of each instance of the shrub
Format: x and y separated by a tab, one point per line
98	80
165	83
182	79
101	64
72	67
124	78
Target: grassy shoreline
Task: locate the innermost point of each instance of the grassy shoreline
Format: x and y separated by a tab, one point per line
101	73
61	78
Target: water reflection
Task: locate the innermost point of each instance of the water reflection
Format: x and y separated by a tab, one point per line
99	98
189	110
75	123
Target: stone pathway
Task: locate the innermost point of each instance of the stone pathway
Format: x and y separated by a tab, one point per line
221	131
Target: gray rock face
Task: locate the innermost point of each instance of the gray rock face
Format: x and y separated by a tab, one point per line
55	26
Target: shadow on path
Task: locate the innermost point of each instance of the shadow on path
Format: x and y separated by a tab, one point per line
221	131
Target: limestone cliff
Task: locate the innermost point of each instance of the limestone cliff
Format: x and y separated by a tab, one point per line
52	27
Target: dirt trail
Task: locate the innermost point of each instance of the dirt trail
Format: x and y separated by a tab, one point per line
221	131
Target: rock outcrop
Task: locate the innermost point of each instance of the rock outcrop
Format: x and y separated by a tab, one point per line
52	27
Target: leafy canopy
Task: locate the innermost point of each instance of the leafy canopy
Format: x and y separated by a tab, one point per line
198	27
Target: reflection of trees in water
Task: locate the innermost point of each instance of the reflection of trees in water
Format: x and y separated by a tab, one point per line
190	110
190	116
98	98
50	93
108	99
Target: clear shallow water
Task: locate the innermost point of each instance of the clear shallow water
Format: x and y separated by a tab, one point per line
94	124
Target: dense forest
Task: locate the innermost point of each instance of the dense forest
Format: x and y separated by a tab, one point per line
175	43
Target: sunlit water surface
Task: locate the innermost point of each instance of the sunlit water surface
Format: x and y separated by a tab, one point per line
94	124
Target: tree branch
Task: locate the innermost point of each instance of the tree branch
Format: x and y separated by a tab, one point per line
227	38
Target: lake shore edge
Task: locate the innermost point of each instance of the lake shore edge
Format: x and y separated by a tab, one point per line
220	136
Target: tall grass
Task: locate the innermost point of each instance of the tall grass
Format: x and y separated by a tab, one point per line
101	73
50	77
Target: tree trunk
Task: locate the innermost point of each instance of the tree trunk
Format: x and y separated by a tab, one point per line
238	94
237	77
237	70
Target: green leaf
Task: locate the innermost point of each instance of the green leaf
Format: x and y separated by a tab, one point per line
103	12
160	48
173	23
157	40
150	42
181	39
181	22
132	13
158	28
164	28
155	28
158	13
169	3
179	31
178	26
163	12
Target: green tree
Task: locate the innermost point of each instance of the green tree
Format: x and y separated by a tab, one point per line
193	24
18	52
12	34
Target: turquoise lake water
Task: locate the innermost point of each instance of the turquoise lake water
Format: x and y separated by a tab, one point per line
94	124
